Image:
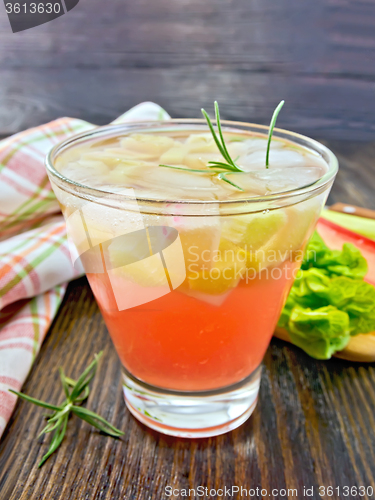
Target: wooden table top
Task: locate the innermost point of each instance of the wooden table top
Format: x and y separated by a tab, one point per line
315	421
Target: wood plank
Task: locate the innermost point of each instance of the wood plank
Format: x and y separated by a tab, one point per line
313	107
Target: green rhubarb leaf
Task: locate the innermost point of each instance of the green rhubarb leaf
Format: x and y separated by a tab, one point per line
320	332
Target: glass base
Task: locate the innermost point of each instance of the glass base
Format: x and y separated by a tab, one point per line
192	414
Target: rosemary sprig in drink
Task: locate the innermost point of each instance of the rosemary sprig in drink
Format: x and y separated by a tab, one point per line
270	130
220	143
76	392
222	168
216	167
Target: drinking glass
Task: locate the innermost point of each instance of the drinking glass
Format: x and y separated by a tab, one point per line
190	290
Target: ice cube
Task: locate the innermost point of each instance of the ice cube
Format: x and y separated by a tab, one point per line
85	171
200	160
163	177
153	145
128	169
276	180
278	158
280	179
174	156
201	143
250	146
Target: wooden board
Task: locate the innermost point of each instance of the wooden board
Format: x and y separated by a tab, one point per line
361	348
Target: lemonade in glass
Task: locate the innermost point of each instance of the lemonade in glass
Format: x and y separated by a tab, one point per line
190	271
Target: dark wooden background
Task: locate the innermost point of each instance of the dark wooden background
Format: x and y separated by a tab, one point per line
315	422
105	56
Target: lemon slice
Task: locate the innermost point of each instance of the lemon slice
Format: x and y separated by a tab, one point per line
301	220
289	242
200	237
146	270
224	273
252	232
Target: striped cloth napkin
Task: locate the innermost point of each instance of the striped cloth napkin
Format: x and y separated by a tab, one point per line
35	261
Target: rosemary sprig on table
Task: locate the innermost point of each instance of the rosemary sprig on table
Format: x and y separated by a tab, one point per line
76	393
229	166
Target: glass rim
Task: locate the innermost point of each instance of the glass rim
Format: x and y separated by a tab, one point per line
111	129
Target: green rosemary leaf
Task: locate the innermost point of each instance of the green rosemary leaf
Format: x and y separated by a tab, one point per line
51	426
201	171
185	169
218	124
85	394
45	430
222	165
48	415
86	377
99	426
270	130
223	177
70	381
97	421
57	438
64	383
66	409
236	139
211	127
35	401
